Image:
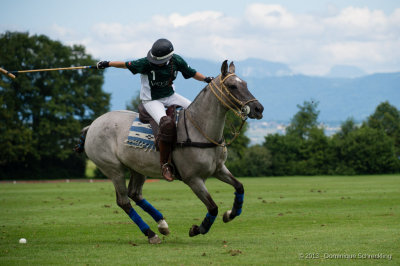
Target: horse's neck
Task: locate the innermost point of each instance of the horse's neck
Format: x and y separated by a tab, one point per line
209	114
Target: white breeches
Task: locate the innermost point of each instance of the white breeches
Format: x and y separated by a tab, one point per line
156	108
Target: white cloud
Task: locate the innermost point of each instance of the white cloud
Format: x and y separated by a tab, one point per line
62	31
270	16
309	43
359	18
178	20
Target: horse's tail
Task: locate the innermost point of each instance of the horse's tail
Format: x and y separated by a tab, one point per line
80	147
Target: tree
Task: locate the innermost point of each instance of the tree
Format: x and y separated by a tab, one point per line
368	151
304	120
338	141
284	151
315	154
256	161
239	145
42	113
346	128
387	118
304	149
133	105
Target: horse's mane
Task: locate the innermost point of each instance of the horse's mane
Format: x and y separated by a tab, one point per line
201	92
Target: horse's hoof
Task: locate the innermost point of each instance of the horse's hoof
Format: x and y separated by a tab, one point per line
226	218
194	231
163	227
154	240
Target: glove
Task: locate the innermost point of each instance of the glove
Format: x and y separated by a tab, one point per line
208	79
103	64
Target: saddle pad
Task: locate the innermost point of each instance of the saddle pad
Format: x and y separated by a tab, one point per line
141	136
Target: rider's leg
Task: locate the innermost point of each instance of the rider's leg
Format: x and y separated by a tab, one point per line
155	109
178	100
166	135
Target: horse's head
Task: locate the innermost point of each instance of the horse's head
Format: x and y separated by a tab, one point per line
234	93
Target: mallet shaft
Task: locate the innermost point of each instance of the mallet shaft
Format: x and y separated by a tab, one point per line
5	72
54	69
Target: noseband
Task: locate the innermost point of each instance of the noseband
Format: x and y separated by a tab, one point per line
228	99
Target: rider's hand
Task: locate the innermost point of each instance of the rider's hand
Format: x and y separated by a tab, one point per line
208	79
103	64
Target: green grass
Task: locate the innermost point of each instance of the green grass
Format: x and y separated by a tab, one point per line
283	219
90	169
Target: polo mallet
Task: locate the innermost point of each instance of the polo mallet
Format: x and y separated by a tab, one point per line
12	74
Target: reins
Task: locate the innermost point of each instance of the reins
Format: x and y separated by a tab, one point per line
239	109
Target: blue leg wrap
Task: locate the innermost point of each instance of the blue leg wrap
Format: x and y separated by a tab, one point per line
147	207
237	204
138	220
207	223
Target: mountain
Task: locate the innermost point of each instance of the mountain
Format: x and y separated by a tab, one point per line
339	98
247	68
279	89
344	71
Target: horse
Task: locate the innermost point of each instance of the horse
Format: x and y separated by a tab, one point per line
200	151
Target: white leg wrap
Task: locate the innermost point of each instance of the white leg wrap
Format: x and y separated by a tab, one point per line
226	218
163	227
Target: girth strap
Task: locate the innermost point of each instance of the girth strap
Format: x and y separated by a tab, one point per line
196	144
190	143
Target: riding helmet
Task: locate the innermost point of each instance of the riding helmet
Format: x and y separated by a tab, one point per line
161	51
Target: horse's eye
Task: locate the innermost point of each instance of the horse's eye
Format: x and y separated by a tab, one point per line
232	87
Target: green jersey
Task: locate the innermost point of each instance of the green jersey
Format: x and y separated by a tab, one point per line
157	81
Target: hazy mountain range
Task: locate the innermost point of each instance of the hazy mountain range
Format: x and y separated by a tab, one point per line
346	91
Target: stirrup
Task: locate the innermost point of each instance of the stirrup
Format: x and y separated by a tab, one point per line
168	167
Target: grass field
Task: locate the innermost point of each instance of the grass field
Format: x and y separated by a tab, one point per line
285	221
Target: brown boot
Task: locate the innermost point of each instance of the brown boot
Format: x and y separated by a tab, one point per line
166	137
165	152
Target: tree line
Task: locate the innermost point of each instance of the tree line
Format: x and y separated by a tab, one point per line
42	113
372	147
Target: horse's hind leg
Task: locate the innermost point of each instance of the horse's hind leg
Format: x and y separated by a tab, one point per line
118	178
225	175
135	193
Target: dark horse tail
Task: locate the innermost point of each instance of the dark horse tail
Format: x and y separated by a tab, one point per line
80	147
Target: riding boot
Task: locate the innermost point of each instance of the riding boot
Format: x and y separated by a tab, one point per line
165	153
165	139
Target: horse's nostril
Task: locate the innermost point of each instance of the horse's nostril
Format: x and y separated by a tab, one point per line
259	108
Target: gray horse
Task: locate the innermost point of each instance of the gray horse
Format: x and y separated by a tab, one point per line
202	152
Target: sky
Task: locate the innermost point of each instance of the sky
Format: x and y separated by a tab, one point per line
311	36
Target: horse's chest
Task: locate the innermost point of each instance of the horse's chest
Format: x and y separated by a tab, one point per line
200	162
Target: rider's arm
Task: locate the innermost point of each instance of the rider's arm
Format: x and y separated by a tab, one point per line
118	64
198	76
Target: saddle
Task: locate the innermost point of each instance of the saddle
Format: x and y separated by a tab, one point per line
145	118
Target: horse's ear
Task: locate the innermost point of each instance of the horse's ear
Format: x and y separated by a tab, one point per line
224	68
232	67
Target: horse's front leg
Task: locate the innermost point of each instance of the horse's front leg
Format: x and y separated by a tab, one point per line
225	175
199	188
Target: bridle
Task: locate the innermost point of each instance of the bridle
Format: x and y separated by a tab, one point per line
239	108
